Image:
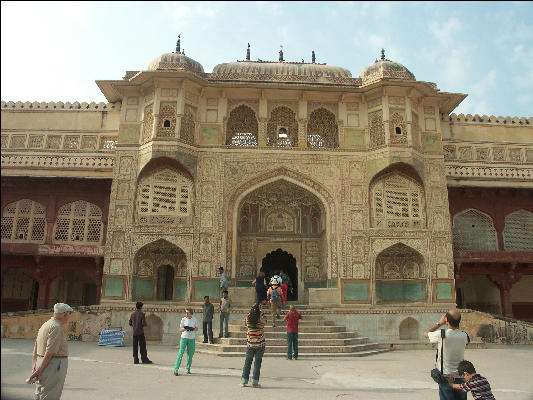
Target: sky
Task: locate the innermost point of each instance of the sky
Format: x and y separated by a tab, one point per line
55	51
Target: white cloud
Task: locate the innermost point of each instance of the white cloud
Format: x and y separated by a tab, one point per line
446	31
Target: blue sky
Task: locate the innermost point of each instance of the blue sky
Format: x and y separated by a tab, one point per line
55	51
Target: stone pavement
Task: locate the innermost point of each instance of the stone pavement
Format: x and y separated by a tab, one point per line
106	373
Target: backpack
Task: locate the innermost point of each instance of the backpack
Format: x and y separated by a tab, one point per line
274	296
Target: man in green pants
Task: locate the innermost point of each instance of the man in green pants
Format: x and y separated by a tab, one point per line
188	328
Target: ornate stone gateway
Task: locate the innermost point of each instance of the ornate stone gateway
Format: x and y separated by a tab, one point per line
282	215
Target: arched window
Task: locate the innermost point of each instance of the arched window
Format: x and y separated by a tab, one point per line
397	202
187	126
322	130
79	222
474	231
518	231
163	196
24	221
282	128
242	127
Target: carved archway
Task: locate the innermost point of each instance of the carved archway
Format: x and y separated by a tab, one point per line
329	255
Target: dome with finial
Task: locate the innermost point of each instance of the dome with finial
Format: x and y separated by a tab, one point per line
384	68
282	71
176	61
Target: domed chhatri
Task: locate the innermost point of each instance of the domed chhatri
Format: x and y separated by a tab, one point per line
175	61
384	68
281	71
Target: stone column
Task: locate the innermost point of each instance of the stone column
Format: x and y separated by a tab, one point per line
99	261
262	132
302	133
507	304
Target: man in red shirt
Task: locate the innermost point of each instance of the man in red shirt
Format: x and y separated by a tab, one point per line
292	319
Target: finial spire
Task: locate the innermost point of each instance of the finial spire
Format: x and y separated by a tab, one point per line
178	44
382	54
248	53
281	54
313	56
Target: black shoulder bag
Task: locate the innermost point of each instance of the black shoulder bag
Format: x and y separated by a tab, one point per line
437	374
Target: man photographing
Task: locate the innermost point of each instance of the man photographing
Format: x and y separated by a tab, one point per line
50	355
455	341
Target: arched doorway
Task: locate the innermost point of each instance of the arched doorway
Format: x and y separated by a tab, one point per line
165	282
280	260
19	291
281	214
159	272
73	287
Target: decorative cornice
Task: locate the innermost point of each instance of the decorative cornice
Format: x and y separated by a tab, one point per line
469	118
52	106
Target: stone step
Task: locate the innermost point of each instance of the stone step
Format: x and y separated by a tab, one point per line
283	335
279	321
301	342
300	355
282	328
283	348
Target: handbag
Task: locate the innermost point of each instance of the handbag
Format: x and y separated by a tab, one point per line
437	374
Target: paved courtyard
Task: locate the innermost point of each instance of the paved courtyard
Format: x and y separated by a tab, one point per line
107	373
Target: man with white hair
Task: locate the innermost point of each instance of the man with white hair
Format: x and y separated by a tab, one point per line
50	355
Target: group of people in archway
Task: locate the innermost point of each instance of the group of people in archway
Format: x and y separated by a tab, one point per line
262	284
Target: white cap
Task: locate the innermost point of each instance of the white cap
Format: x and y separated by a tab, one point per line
62	308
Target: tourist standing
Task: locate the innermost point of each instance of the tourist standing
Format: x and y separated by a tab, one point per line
292	318
286	279
224	281
260	287
50	355
284	286
453	348
188	328
207	324
225	307
255	345
274	296
138	322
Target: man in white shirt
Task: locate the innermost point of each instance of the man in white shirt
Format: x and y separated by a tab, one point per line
455	341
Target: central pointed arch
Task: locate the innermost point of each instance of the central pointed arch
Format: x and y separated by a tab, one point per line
299	180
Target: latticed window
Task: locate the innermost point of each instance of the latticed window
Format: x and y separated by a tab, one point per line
24	221
397	202
148	124
282	128
322	130
397	129
377	130
518	231
167	121
474	231
78	223
242	127
187	126
163	196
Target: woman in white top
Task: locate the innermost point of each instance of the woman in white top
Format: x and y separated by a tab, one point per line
188	328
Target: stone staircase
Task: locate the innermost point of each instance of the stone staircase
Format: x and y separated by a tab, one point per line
317	337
